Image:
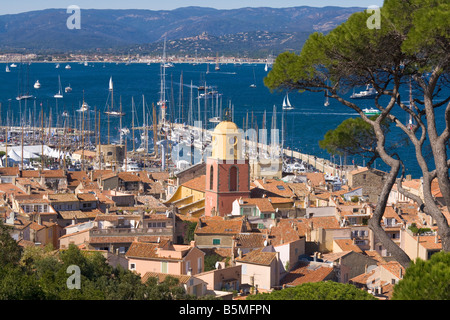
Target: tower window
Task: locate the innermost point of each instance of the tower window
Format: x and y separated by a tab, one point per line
211	177
234	172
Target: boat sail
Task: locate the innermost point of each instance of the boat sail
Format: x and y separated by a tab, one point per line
113	112
287	103
59	95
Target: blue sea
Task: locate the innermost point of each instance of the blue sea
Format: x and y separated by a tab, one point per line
304	126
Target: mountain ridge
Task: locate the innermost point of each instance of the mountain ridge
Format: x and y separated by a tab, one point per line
106	29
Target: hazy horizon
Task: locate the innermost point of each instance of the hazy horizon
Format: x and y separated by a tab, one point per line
28	5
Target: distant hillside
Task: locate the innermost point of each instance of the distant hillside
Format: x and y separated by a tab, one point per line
245	29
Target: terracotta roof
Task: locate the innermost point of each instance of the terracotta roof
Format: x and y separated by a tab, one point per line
334	256
129	177
218	225
375	255
394	267
250	240
30	174
9	171
98	173
86	197
306	272
258	256
299	189
21	223
145	250
316	178
79	214
283	233
305	224
365	169
362	278
196	183
263	204
107	176
389	212
53	173
183	279
74	178
275	186
160	175
9	188
347	245
429	242
62	197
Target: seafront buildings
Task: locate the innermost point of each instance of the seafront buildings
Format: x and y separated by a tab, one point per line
273	218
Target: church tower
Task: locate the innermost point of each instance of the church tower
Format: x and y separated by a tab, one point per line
227	170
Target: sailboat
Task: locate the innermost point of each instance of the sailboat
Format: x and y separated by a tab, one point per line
113	112
84	107
162	98
22	95
68	66
7	68
59	94
287	104
327	102
37	85
253	85
68	89
217	63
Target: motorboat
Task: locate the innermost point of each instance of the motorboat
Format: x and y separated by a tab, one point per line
370	92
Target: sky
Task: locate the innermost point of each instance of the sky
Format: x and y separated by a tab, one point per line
12	7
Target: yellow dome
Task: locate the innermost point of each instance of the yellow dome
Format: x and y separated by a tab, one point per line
226	127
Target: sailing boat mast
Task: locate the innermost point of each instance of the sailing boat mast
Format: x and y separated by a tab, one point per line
111	88
155	131
162	100
120	121
132	120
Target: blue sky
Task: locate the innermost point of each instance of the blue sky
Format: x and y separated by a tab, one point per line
10	7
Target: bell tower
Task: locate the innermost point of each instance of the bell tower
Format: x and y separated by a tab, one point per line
227	170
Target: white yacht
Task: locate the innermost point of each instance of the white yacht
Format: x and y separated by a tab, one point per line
370	92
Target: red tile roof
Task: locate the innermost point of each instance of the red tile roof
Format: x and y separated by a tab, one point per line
258	256
196	183
306	272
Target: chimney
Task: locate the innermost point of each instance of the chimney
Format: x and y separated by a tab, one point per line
193	243
436	237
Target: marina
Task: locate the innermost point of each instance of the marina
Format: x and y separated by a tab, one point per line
116	104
